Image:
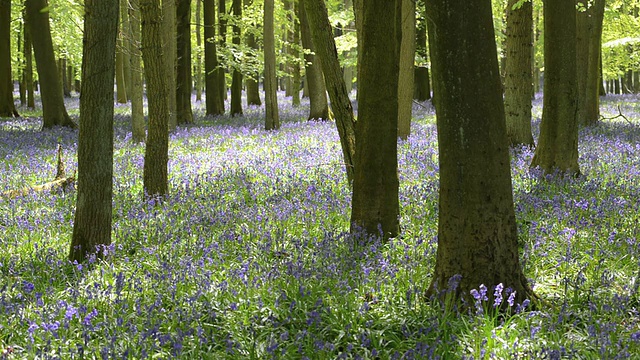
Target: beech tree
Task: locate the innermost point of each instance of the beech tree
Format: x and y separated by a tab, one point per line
213	100
170	51
184	114
557	148
253	90
406	72
236	82
54	112
318	104
7	107
137	106
477	232
93	214
272	119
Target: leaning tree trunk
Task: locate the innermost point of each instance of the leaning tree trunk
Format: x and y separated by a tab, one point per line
137	107
518	76
477	233
236	82
184	115
340	103
212	98
7	107
406	75
557	148
156	155
272	120
93	215
375	207
318	105
53	111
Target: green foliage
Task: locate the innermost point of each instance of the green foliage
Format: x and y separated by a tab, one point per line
620	30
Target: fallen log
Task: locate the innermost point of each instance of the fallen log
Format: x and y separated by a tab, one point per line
60	182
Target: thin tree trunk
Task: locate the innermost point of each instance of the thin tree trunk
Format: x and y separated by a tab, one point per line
28	59
199	53
236	82
222	23
7	107
213	100
170	53
422	89
184	114
594	71
120	78
54	112
295	66
156	154
314	80
340	102
93	215
406	74
137	106
272	120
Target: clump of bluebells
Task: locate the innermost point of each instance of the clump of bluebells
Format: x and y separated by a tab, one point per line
249	257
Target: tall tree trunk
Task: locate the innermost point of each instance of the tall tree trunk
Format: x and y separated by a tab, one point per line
28	60
253	90
340	102
137	107
375	207
64	81
518	78
93	215
53	111
272	119
477	233
213	100
156	155
406	75
295	53
347	71
422	89
126	45
198	79
120	85
7	107
222	23
594	71
582	57
318	104
21	83
236	82
184	114
170	53
557	148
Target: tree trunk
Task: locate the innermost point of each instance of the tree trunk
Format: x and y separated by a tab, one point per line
93	215
236	82
53	111
28	59
120	85
318	105
170	54
137	107
253	90
64	81
518	79
477	233
198	79
340	103
126	45
406	75
184	114
557	148
422	89
222	22
594	71
295	53
156	154
375	207
7	106
213	100
272	119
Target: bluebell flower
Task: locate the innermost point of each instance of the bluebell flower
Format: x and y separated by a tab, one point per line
497	295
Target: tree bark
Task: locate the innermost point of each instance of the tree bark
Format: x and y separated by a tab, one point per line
126	45
7	106
184	114
198	79
156	155
137	106
28	59
295	53
375	207
340	103
557	148
477	233
236	80
93	215
406	74
272	119
213	100
594	72
318	104
170	53
222	43
422	89
121	93
53	111
518	76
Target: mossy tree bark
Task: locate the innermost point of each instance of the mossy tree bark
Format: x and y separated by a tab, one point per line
375	206
156	154
272	119
477	233
318	104
7	107
406	74
93	215
137	106
557	149
213	100
54	112
518	78
184	114
325	45
236	79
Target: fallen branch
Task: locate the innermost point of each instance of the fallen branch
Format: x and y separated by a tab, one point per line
61	181
617	116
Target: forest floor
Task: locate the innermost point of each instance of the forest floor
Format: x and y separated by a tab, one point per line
249	256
